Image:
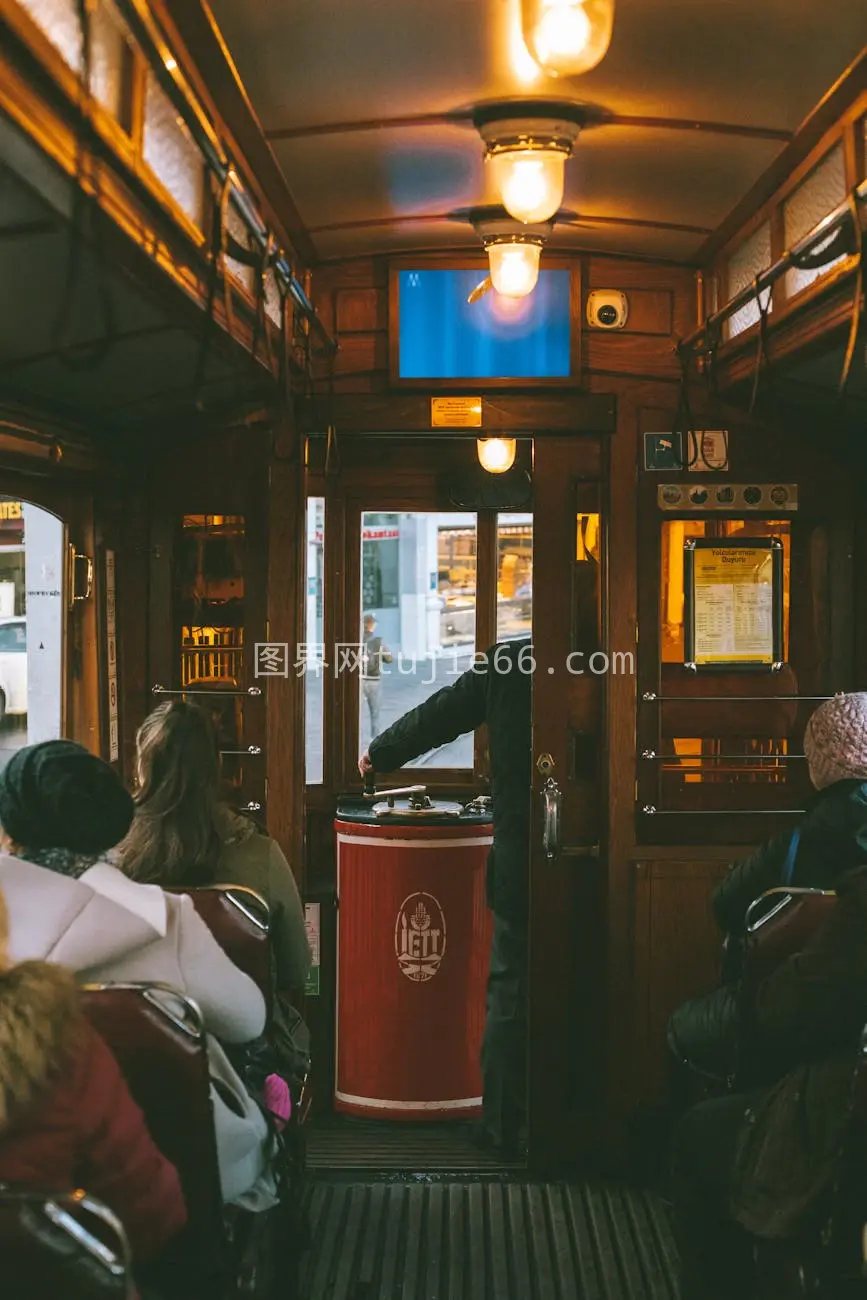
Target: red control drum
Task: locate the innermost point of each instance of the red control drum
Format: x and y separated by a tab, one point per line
413	941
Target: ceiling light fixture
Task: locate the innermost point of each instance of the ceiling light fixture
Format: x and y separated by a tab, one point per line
514	250
527	145
496	455
567	37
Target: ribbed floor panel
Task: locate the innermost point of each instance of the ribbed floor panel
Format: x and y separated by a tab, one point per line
487	1241
337	1143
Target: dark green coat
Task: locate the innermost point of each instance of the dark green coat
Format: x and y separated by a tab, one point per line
833	840
496	691
805	1026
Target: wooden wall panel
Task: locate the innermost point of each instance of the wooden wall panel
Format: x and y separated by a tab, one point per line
676	955
359	311
352	301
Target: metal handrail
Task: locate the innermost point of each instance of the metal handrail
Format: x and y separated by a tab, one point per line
787	894
651	756
166	67
651	696
164	690
829	225
650	810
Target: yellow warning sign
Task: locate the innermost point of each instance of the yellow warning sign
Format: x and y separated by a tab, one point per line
456	412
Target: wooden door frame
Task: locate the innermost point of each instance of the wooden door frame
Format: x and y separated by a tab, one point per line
559	1133
72	502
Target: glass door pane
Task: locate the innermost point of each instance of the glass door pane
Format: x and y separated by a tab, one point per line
417	623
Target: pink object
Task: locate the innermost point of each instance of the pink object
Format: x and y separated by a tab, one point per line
278	1099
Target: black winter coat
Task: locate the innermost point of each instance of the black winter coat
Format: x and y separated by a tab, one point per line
496	691
833	840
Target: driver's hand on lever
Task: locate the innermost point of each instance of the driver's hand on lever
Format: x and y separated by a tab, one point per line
364	764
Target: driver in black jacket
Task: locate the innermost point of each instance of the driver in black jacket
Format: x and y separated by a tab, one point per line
495	691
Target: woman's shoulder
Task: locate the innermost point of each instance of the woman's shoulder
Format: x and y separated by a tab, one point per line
235	829
244	846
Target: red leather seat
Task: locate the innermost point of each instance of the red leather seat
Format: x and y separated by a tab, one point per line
780	923
157	1037
65	1244
240	921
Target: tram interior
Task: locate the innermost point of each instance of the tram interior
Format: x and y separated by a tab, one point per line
309	396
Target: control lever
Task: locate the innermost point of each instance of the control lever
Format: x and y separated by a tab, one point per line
419	791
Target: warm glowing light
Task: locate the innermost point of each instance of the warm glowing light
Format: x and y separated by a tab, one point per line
525	68
514	268
496	455
171	63
567	37
530	182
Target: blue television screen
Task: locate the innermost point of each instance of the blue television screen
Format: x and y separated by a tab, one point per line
442	336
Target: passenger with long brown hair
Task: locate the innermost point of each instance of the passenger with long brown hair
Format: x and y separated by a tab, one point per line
182	834
67	1119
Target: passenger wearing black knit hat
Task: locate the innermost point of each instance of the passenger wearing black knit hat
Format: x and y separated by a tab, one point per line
58	796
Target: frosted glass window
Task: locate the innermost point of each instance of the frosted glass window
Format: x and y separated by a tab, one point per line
237	228
109	61
58	19
744	265
817	195
171	153
273	300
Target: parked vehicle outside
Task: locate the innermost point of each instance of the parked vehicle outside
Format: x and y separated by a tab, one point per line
13	666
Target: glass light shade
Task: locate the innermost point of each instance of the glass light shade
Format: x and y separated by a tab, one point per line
567	37
496	455
530	182
514	268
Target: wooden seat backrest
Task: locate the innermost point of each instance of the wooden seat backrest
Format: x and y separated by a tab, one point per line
158	1039
779	924
61	1243
240	921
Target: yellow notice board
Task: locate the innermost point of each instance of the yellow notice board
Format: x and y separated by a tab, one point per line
456	412
733	602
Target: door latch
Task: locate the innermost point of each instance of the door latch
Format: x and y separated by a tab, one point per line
545	764
552	797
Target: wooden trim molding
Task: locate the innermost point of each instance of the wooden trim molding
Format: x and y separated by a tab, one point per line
566	411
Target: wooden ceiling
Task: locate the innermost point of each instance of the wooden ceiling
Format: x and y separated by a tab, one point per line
357	101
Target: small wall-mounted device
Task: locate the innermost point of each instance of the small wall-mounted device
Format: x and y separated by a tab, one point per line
607	309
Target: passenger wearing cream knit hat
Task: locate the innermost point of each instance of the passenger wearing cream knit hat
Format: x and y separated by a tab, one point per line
832	838
835	741
830	841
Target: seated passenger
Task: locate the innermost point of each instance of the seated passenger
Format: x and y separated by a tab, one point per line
61	810
182	835
831	840
67	1119
760	1163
